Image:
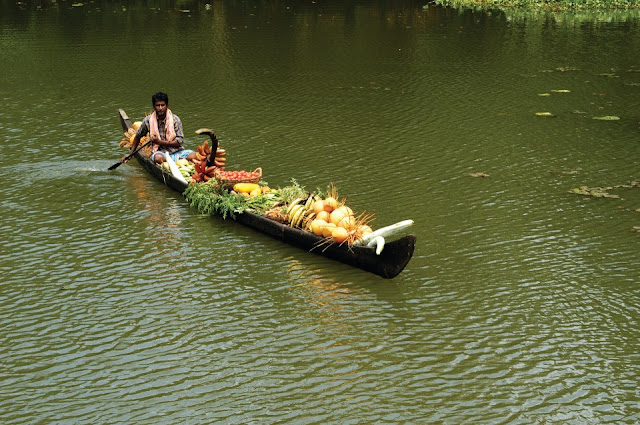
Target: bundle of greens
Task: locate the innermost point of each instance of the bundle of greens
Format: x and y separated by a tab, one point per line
214	200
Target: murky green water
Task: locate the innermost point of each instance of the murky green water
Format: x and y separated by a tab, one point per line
120	304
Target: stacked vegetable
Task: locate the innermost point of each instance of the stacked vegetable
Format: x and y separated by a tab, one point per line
186	168
204	171
329	218
250	189
318	213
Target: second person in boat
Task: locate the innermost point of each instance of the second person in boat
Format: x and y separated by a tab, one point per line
165	131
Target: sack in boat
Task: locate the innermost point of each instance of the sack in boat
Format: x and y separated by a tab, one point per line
229	178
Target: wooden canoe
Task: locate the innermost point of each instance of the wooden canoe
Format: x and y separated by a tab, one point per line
391	261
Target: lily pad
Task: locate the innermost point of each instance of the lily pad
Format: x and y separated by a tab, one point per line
595	192
568	172
607	118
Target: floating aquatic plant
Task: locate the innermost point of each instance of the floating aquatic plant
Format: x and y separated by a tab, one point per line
596	192
607	118
603	192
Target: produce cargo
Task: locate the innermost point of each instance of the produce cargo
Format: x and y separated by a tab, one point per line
321	223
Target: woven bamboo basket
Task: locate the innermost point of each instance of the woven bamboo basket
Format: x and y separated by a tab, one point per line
224	180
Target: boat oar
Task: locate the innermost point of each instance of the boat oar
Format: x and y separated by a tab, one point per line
128	157
214	144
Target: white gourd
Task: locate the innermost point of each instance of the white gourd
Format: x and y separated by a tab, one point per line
385	232
378	241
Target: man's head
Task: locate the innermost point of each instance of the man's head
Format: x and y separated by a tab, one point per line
160	96
160	102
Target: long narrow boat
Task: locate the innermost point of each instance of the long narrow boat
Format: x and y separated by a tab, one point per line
391	261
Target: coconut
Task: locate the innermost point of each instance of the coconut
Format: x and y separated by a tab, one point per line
317	225
327	230
339	234
340	213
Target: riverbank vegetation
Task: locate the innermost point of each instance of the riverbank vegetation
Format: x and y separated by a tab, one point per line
547	5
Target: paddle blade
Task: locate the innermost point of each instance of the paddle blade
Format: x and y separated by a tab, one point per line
114	166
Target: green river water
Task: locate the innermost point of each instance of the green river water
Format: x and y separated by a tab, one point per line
121	304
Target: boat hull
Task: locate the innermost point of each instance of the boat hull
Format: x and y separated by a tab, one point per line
391	261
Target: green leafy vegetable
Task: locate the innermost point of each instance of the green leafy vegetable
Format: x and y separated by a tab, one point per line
295	190
213	200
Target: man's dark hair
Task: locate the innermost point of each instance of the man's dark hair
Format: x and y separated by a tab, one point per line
159	96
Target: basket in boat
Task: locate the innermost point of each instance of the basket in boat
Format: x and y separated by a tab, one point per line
229	178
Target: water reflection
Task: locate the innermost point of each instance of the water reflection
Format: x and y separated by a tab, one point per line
328	295
164	219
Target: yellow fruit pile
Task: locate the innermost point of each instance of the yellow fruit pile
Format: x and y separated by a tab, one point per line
328	218
337	222
250	189
127	139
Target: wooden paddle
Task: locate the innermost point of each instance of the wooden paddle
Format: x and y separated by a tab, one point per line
128	157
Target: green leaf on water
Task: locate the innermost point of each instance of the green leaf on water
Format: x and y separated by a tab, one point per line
595	192
544	114
607	118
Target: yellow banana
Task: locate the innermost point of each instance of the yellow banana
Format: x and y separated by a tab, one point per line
293	204
296	216
309	203
301	218
294	211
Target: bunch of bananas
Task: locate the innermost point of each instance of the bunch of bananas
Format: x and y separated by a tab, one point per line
204	154
300	212
127	141
204	172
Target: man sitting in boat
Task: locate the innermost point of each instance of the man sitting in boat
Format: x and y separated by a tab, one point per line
165	131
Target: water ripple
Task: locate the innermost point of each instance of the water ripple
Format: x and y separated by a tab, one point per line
121	304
